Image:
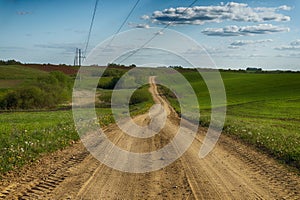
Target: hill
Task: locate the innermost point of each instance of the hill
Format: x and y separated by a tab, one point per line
263	109
14	76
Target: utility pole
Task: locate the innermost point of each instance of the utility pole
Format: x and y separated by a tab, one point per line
78	57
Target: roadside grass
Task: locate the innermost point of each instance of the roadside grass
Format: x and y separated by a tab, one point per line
272	126
25	136
262	110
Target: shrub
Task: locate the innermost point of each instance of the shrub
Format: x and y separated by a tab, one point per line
139	96
46	92
109	84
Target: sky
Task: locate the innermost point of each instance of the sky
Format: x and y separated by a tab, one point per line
236	34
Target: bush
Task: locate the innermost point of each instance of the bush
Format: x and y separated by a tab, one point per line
10	62
46	92
139	96
109	85
113	72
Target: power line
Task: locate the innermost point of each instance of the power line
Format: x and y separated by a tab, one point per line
122	25
154	36
119	29
91	26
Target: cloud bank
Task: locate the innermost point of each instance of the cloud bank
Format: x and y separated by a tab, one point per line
244	30
293	46
231	11
249	42
66	47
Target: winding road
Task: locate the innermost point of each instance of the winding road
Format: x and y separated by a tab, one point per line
231	171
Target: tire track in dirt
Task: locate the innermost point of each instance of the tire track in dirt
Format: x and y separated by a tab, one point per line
35	181
231	171
262	167
52	180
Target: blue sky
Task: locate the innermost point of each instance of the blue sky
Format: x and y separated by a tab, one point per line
236	34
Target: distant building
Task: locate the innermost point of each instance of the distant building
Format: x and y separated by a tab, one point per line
253	69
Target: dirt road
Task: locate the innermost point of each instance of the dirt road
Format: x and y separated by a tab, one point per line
231	171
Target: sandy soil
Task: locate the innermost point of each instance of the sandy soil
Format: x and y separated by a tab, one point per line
231	171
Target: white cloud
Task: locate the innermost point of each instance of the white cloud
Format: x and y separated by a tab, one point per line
231	11
285	8
244	30
286	48
293	46
295	43
133	25
145	17
257	56
273	9
66	47
291	55
249	42
232	47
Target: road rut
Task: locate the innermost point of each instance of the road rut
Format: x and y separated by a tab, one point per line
231	171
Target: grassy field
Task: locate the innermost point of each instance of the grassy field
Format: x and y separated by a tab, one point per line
13	76
262	109
17	72
25	136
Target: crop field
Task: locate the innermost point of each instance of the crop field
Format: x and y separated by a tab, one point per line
263	109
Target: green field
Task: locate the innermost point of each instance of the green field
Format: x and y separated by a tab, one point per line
13	76
27	135
263	109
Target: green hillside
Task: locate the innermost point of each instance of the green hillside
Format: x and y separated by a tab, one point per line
263	109
249	87
13	76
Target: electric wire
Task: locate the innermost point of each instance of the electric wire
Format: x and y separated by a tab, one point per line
90	29
122	25
155	35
